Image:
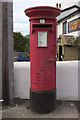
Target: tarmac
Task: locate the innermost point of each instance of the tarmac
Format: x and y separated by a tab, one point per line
21	109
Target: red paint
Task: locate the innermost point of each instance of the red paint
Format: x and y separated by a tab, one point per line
43	68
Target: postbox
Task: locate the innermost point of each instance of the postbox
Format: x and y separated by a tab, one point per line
42	57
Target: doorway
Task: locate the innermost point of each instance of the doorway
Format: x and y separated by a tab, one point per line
60	53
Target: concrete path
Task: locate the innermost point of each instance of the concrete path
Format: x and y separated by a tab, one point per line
66	109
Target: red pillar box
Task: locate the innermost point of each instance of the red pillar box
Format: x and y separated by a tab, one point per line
43	57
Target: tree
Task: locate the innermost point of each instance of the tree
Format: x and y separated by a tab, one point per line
21	43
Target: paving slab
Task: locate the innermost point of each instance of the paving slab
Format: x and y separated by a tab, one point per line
64	109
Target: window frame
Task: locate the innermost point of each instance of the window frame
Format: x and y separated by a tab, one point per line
65	27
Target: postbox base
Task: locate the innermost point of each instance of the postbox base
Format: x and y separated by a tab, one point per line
43	101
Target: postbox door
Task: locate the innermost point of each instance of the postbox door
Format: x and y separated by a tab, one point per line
43	60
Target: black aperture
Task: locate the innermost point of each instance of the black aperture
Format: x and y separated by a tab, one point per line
42	26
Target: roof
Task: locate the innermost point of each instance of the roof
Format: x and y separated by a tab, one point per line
68	12
67	39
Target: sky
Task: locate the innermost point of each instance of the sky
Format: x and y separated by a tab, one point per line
21	21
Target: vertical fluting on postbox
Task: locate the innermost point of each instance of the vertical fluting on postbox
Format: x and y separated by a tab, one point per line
42	57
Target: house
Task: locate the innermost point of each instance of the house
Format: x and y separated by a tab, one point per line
68	28
68	23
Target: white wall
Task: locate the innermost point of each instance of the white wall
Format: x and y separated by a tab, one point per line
22	80
66	80
59	29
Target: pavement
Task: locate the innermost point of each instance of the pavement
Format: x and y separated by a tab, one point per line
21	109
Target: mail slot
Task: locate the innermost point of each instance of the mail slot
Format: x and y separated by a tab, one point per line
42	26
42	57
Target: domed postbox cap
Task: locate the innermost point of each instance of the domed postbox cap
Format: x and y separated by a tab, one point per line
42	12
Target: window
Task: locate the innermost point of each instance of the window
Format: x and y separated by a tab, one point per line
65	27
